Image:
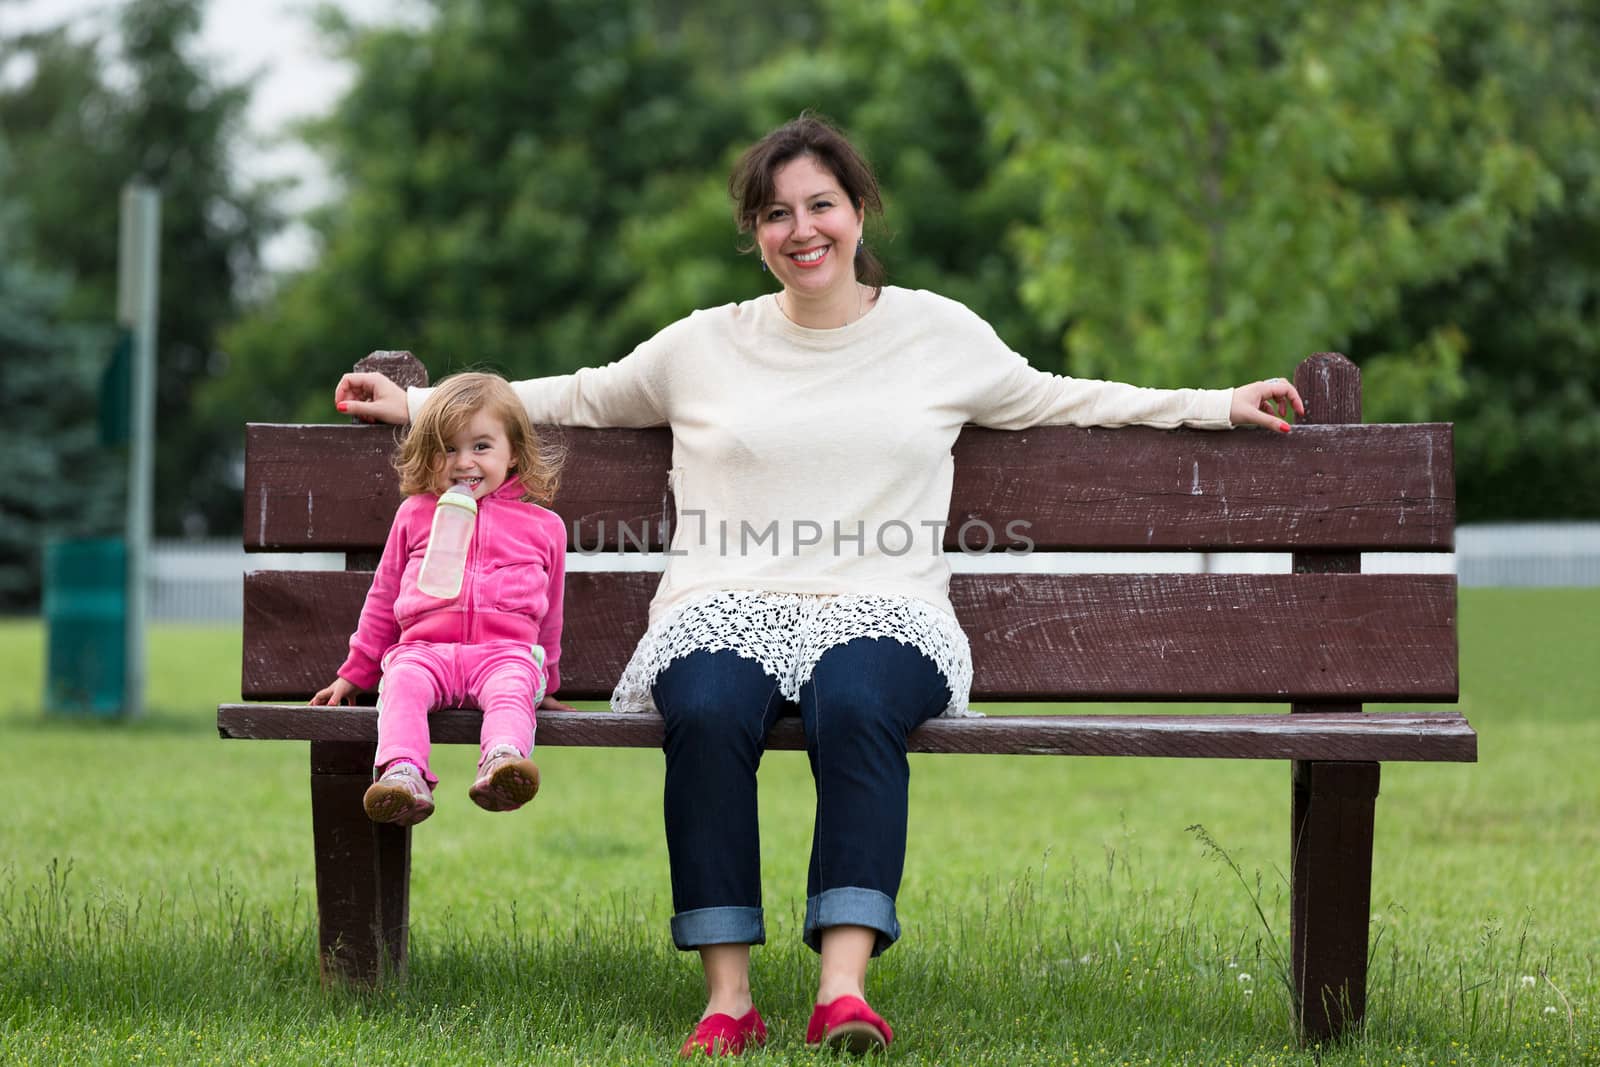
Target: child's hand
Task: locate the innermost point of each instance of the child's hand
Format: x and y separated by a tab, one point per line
552	704
340	692
371	398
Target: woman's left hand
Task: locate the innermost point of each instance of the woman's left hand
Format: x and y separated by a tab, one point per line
1265	404
552	704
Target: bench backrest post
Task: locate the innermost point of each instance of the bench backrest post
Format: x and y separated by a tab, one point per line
400	367
1332	811
405	370
1330	385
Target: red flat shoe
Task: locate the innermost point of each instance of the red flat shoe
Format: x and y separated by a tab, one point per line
850	1025
723	1035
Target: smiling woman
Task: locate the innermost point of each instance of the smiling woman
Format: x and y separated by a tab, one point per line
821	416
805	194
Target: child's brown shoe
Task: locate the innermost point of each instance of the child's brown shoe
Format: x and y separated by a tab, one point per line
506	780
400	796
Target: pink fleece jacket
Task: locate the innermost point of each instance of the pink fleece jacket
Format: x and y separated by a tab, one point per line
512	590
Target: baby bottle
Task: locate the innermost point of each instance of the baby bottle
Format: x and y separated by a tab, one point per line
451	536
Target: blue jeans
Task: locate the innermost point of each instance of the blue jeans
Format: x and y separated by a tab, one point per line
863	698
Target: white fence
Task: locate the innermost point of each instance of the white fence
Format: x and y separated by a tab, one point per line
1545	553
203	580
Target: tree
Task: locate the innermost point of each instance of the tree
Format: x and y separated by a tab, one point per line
61	483
485	197
1228	187
950	205
1528	421
158	114
542	220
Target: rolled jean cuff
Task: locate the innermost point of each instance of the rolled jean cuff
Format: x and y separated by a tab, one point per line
852	906
718	926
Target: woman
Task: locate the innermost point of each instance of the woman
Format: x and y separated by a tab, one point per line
812	432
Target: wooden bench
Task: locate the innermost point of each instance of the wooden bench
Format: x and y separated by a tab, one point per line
1324	639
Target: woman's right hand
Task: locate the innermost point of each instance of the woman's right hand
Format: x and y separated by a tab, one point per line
371	397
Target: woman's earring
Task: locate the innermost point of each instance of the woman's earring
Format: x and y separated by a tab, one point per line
763	266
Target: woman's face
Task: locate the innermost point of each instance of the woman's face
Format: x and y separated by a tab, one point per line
808	234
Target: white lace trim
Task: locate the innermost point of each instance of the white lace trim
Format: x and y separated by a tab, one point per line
787	633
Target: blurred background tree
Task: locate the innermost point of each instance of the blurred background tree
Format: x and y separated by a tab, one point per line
1166	193
1227	188
89	115
490	161
536	220
1528	320
60	484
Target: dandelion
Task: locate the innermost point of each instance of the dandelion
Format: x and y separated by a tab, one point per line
1550	1009
1528	981
1244	977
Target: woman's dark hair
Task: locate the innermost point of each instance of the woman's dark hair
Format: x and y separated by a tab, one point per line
751	183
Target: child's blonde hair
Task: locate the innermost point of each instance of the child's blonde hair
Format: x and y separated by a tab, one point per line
449	408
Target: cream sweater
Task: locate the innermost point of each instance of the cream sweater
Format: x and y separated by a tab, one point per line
819	461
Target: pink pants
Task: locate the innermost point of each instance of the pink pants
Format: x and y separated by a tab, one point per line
506	680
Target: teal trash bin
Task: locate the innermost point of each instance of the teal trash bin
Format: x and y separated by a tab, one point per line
86	614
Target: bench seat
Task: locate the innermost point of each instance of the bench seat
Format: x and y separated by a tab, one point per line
1381	737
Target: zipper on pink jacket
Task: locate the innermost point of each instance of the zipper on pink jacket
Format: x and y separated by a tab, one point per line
469	615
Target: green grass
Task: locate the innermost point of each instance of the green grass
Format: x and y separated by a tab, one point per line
155	893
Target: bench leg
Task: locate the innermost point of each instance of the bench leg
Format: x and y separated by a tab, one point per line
1330	895
363	870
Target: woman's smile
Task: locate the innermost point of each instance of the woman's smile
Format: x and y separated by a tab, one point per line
811	257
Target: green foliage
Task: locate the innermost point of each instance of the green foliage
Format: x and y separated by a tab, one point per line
1229	187
62	483
490	159
546	219
165	118
1167	193
1528	322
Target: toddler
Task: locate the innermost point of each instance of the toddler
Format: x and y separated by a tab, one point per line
496	645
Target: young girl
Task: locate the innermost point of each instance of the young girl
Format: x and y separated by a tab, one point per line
496	644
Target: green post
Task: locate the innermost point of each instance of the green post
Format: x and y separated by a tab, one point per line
85	611
95	588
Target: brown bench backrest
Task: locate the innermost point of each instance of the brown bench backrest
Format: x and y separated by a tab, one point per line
1325	492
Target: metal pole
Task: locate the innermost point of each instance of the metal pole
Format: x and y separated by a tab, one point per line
138	294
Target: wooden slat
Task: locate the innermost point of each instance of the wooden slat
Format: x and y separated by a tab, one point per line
1380	487
1411	736
332	488
1353	488
1266	637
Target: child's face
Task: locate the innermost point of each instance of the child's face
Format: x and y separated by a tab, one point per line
480	456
